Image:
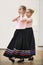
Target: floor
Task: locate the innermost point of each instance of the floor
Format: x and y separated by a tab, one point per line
38	59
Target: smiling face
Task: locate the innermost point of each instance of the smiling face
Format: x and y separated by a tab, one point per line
28	13
22	10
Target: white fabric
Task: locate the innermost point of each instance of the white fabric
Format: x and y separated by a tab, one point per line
28	25
23	25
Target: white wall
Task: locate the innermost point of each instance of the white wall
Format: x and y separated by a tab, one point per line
41	24
8	11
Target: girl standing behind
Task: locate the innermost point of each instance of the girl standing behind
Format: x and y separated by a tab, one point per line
29	34
29	46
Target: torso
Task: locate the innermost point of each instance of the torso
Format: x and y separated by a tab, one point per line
23	25
29	25
20	25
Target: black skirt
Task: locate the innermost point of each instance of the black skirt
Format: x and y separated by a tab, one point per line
22	44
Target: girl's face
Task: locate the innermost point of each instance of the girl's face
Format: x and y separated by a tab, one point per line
28	13
21	11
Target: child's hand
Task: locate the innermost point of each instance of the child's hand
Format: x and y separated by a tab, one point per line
15	19
29	21
23	20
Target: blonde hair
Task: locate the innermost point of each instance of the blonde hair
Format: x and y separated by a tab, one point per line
31	10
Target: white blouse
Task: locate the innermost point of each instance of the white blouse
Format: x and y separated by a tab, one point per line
23	25
19	24
29	22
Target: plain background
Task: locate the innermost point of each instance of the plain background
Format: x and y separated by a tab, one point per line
9	10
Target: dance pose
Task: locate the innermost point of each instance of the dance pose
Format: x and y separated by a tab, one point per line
30	40
16	45
22	44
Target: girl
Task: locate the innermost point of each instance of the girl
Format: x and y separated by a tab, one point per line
29	34
29	47
16	46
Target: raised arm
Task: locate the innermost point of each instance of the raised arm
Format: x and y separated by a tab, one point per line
30	21
27	21
15	19
24	20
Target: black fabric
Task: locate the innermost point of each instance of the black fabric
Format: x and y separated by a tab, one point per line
30	40
23	39
12	42
18	40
